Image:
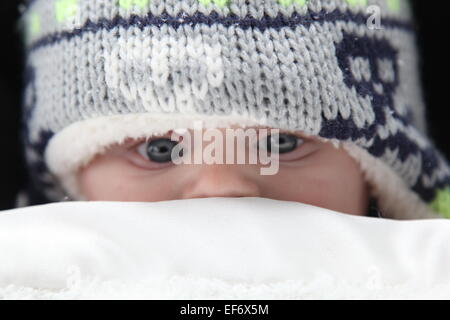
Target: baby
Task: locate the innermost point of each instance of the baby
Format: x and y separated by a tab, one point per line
308	171
115	90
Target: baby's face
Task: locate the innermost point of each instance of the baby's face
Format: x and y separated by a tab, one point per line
309	171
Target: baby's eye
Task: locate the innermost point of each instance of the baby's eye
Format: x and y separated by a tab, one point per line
286	143
158	150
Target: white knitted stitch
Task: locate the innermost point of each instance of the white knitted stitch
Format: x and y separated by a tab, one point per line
239	8
360	69
387	70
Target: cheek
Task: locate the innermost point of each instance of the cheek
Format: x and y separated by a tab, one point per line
336	185
114	180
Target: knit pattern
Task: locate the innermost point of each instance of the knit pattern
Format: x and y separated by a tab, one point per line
313	66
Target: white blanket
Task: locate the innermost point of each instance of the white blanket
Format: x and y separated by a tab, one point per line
218	248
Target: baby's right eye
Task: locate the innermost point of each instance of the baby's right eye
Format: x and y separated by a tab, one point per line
157	150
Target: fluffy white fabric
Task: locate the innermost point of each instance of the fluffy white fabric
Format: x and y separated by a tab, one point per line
218	248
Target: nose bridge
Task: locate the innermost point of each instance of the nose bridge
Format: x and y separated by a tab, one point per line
221	180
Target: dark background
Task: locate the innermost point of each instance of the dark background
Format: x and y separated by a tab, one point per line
435	65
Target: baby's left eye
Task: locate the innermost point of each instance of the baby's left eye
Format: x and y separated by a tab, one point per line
158	150
285	143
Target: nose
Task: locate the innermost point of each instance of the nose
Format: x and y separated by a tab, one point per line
221	181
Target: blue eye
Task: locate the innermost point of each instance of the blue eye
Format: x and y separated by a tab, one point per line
158	150
286	143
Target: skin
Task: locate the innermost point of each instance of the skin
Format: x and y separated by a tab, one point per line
315	173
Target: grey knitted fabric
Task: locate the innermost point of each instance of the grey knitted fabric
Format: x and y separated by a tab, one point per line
315	66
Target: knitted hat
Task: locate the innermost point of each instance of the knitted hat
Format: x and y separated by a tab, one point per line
98	72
